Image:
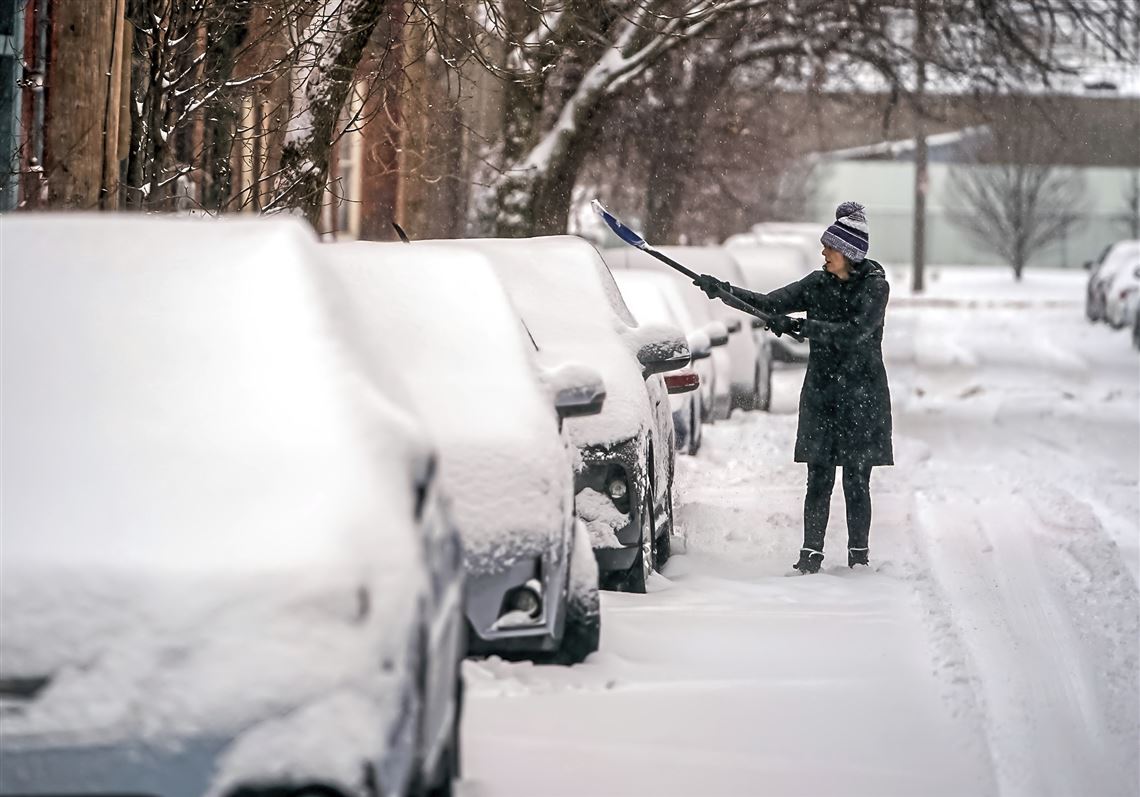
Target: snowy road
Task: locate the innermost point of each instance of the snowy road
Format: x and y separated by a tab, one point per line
992	649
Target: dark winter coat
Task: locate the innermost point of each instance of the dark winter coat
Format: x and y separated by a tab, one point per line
845	406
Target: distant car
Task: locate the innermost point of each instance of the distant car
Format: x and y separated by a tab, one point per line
647	294
1136	325
227	566
1120	255
749	350
1122	290
574	311
766	267
442	318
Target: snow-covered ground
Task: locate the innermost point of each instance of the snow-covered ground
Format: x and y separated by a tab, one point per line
992	649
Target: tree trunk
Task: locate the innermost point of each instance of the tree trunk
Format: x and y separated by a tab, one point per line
82	142
323	79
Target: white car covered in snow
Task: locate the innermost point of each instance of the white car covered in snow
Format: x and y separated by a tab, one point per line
226	566
574	312
1122	256
443	319
743	367
1122	285
769	264
652	299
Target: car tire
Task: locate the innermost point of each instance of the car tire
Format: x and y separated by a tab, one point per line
696	431
582	632
762	396
449	769
636	579
665	542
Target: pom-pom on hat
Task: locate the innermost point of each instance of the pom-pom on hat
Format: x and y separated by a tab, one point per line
849	233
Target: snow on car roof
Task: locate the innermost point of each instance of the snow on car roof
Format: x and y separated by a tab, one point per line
650	297
173	393
572	307
442	319
769	266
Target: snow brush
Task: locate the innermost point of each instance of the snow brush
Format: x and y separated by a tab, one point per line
635	240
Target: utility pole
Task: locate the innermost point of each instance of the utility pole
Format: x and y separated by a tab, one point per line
921	181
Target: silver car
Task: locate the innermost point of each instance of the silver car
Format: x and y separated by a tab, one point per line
227	566
575	314
443	320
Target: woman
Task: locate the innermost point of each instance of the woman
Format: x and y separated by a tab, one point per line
845	405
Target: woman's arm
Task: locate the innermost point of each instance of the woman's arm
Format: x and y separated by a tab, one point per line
788	299
854	332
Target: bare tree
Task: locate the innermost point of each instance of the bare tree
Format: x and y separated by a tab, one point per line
1014	198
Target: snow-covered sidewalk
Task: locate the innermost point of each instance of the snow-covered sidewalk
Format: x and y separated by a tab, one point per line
991	650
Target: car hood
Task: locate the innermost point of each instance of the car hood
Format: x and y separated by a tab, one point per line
625	412
116	653
507	503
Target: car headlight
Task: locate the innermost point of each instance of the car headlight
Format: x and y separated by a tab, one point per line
617	489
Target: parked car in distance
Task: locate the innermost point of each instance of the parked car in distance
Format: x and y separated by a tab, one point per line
1122	289
1118	256
440	317
227	568
766	267
749	350
646	293
574	311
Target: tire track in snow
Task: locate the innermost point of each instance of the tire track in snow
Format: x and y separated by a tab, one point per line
1043	718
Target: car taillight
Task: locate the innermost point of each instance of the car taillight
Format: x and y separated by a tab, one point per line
682	382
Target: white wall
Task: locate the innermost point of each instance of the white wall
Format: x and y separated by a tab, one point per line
887	189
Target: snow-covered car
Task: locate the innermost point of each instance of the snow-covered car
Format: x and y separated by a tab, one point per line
767	266
648	296
574	312
744	366
1120	255
1123	289
441	316
227	567
749	349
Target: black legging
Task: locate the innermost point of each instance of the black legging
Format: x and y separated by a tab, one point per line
817	504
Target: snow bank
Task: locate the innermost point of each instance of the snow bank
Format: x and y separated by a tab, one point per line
208	513
440	318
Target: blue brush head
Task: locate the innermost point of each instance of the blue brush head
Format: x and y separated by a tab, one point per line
620	230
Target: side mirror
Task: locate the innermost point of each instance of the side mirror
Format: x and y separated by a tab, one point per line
733	325
1087	266
577	390
660	348
757	323
717	332
700	346
684	381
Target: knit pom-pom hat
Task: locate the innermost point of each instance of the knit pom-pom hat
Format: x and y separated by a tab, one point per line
849	233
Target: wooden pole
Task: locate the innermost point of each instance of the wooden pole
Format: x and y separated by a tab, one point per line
921	178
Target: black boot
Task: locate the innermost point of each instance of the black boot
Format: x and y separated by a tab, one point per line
809	561
857	556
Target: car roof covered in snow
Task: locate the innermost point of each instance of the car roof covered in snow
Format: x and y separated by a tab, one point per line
767	266
441	317
654	299
175	397
573	308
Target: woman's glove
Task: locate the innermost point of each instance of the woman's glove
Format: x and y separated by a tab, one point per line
711	285
782	325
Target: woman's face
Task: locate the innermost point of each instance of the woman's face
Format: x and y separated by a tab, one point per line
834	261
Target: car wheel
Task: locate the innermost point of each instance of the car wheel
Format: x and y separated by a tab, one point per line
762	398
696	432
665	542
448	769
583	629
637	577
